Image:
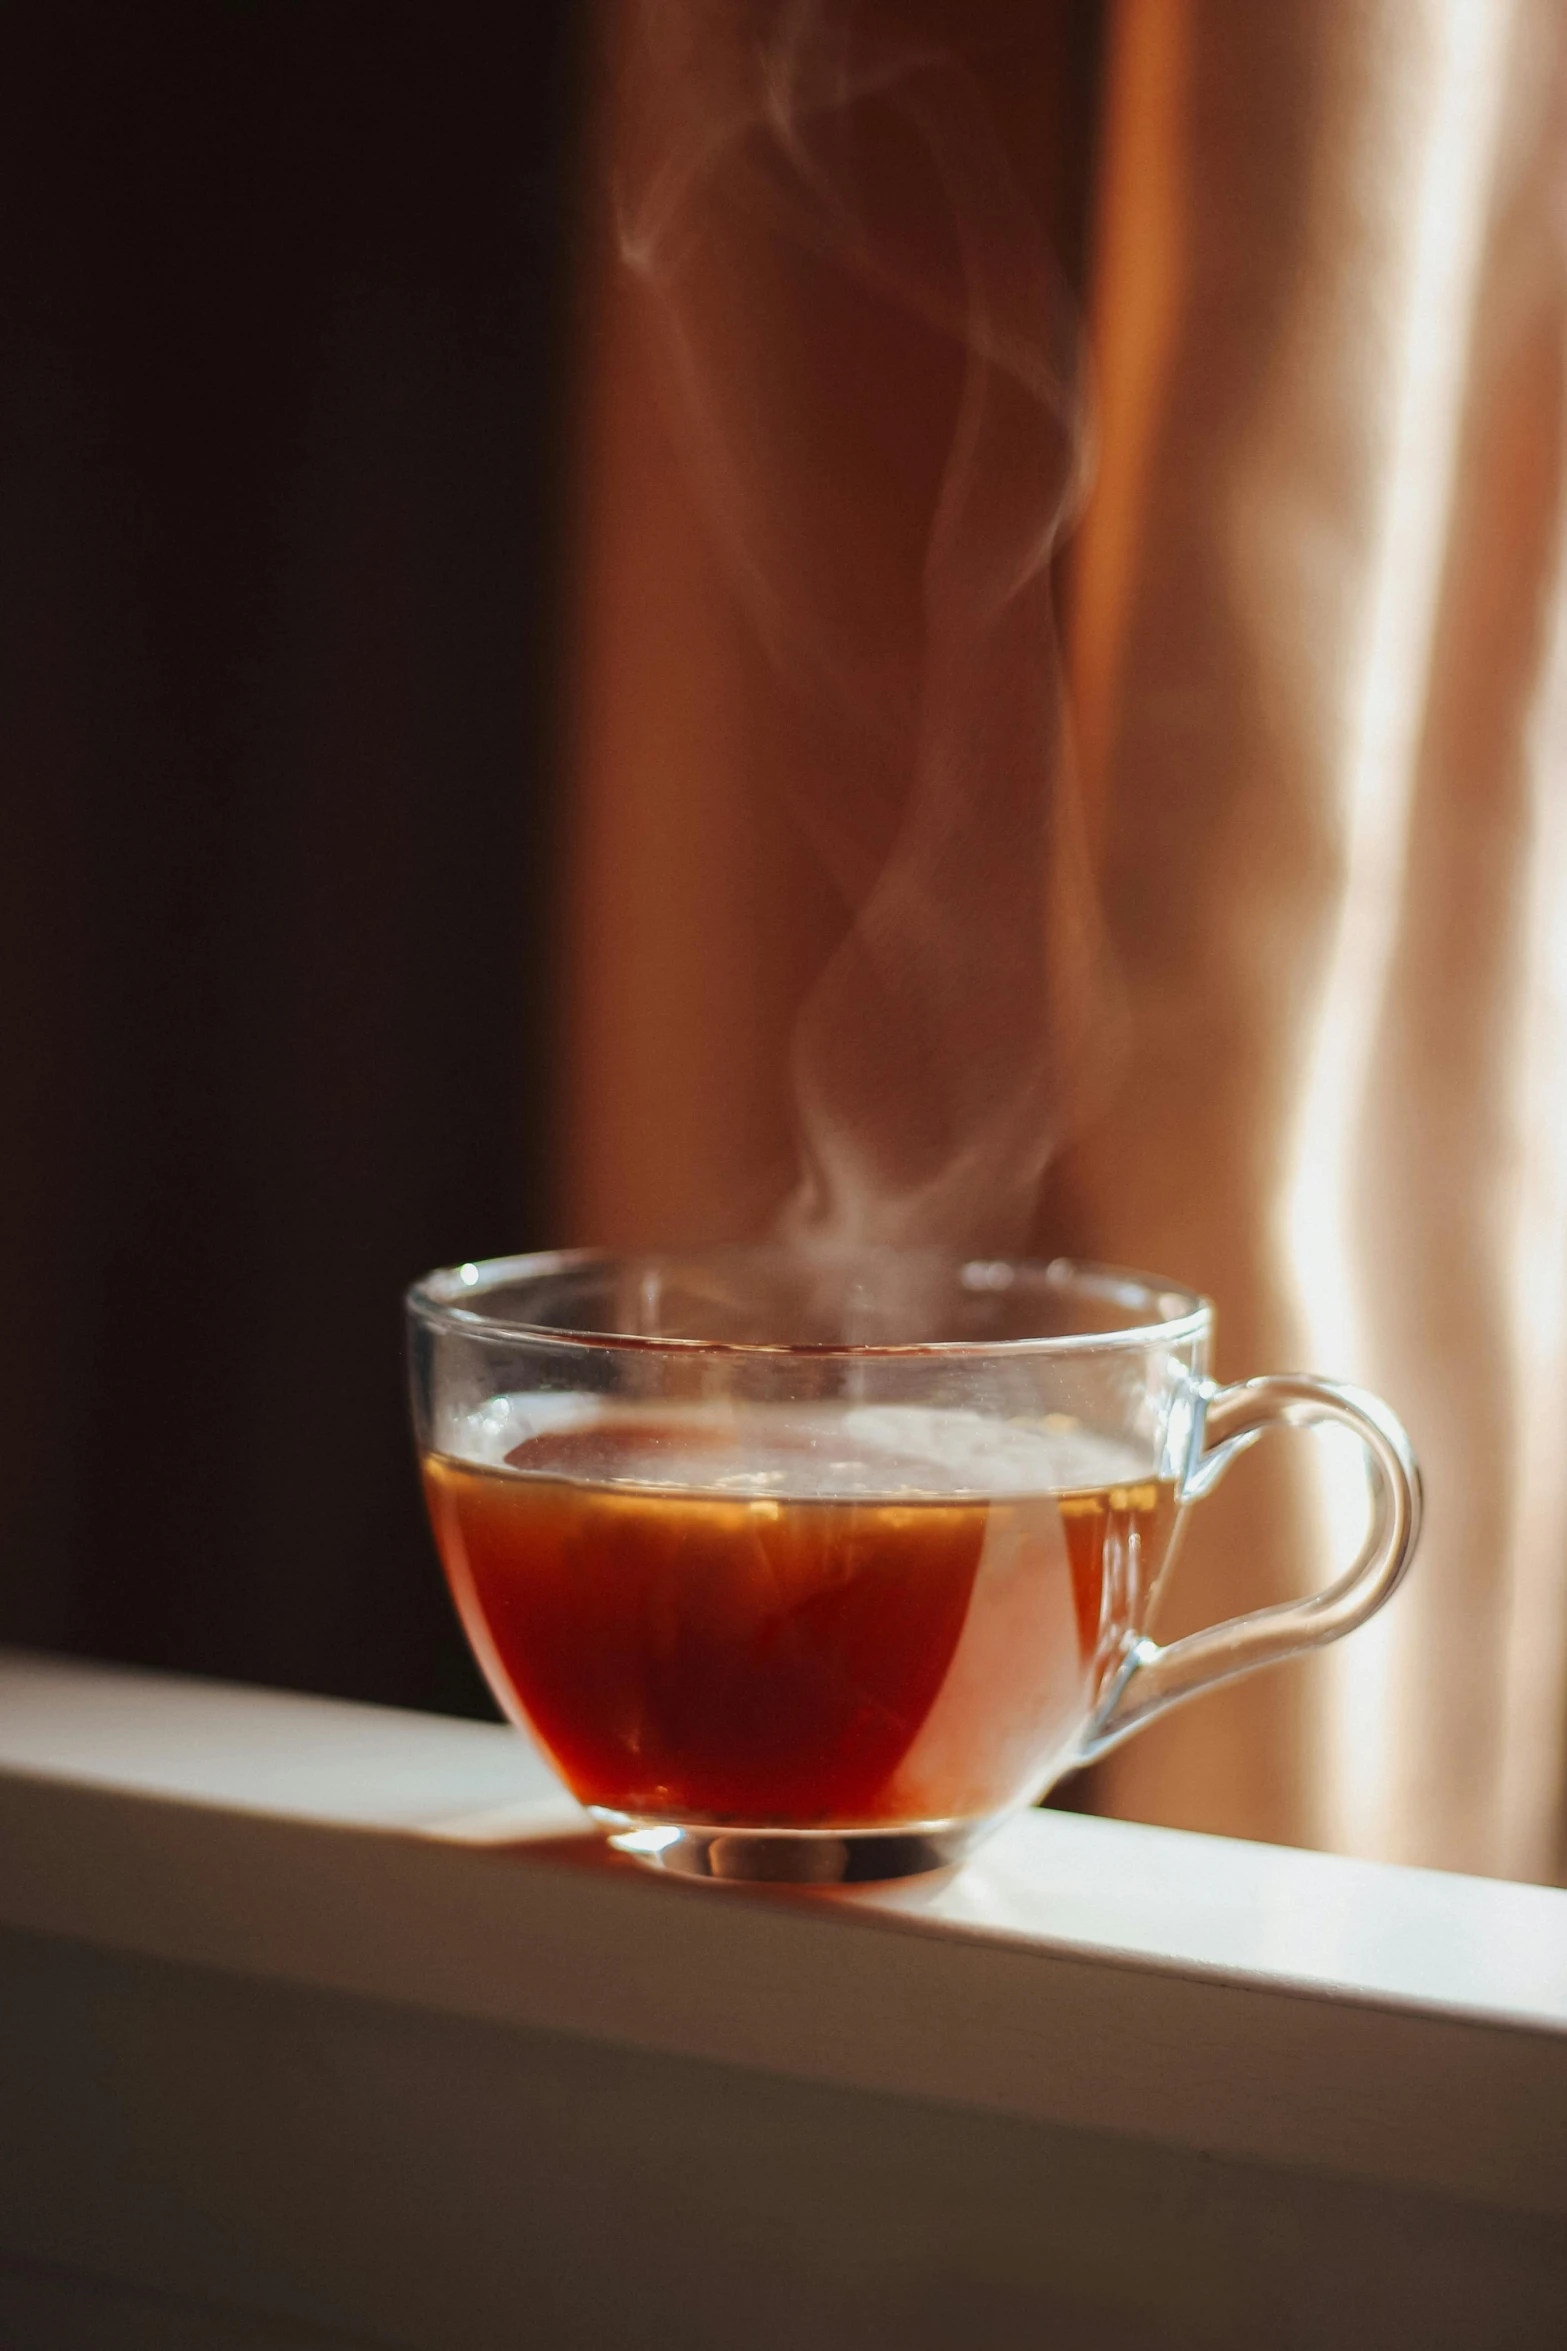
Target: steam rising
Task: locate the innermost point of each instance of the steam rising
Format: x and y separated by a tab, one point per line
945	1046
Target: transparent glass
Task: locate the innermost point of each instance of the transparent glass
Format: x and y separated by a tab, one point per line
815	1568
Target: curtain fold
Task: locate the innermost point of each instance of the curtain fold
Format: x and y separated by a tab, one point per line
1319	660
1320	687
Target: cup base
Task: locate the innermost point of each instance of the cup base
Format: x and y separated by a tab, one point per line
795	1857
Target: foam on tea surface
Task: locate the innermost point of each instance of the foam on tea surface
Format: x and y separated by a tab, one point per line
833	1614
824	1452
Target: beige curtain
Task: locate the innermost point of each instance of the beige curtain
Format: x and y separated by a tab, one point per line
1318	629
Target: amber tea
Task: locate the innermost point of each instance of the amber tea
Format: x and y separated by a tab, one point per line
799	1616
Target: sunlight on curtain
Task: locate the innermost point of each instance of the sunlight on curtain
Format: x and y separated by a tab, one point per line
1447	185
1534	1746
1319	655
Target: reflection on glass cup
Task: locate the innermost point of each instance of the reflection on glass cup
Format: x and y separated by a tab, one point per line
815	1568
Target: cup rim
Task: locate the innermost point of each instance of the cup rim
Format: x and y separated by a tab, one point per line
437	1301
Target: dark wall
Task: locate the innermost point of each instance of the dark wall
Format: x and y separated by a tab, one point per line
282	340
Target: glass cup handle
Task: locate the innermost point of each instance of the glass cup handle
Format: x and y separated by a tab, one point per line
1151	1678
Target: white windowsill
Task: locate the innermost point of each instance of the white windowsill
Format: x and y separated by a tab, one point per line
1388	2025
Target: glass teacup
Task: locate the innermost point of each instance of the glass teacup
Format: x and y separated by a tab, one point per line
816	1567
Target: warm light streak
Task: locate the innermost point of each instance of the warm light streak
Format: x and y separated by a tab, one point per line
1532	1761
1448	202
